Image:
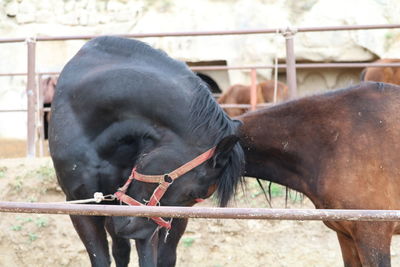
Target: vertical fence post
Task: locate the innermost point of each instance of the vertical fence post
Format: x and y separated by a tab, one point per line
40	113
253	89
289	33
31	97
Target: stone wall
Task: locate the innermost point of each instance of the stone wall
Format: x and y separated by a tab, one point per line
30	18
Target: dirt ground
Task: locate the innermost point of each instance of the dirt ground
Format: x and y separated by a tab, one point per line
50	240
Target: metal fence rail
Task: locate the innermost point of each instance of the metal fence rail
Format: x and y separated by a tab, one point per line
288	33
202	212
212	33
249	67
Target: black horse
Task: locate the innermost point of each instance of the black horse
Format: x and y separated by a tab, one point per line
121	104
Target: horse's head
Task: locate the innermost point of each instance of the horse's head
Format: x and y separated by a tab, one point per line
177	174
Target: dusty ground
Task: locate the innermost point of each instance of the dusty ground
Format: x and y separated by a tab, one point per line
50	240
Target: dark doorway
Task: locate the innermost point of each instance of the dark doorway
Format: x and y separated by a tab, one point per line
212	85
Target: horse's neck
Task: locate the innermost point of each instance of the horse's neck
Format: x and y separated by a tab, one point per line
283	170
274	154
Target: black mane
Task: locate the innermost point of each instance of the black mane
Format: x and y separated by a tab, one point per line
207	117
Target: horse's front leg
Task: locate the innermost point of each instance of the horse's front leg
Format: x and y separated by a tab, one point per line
93	235
160	249
167	245
121	247
147	251
372	240
349	250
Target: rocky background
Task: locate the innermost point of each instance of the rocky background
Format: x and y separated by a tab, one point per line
31	18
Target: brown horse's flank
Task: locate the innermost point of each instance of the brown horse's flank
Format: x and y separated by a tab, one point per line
341	149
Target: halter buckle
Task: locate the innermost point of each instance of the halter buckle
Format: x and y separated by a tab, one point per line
168	179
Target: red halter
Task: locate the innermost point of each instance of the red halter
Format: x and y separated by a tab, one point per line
164	182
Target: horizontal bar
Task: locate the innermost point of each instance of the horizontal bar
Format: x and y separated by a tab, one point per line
210	33
280	66
222	105
13	74
201	212
299	66
245	105
345	65
348	27
235	105
13	110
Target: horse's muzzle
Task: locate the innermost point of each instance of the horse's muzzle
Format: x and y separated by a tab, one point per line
133	227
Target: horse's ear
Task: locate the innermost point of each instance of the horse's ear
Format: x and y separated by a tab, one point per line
223	149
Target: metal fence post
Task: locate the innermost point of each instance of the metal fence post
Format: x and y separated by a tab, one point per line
31	97
40	113
289	33
253	89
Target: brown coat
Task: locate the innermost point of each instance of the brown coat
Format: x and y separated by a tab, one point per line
341	149
384	74
49	88
240	94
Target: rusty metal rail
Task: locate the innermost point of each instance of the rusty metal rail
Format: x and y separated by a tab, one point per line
13	110
211	33
299	66
248	67
202	212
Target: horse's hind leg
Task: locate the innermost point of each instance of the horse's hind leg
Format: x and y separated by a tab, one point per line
93	235
121	247
372	240
349	251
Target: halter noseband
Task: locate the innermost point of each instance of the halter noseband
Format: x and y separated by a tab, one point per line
164	181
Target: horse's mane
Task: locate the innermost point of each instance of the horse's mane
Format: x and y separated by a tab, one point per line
207	118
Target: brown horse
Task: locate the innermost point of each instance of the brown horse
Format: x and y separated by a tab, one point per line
340	149
383	74
240	94
48	87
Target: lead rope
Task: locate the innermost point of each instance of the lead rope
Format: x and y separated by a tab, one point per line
97	198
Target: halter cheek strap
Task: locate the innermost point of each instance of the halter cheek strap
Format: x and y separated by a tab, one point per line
164	181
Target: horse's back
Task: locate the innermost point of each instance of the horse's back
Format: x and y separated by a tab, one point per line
113	79
122	66
362	131
104	106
